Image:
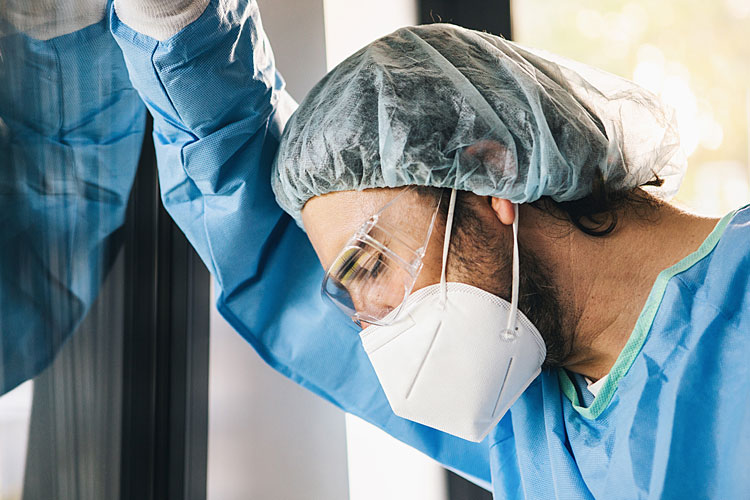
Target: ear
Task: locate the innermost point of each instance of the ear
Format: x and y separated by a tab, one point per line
503	210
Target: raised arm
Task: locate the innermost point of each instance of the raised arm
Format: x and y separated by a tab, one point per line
219	108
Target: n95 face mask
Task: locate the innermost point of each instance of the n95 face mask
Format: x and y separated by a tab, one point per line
457	357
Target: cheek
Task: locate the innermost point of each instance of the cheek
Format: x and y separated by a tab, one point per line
426	278
326	242
487	268
431	265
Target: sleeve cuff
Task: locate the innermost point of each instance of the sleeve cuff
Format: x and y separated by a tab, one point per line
159	19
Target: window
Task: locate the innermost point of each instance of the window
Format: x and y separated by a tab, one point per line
688	53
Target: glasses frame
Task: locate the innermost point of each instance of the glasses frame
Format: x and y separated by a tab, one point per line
363	236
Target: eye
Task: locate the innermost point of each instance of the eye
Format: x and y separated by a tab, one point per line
348	264
360	264
378	266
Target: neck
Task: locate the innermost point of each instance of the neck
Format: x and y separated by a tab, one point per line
604	282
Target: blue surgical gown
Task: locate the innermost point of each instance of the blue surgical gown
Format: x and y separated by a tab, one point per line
672	421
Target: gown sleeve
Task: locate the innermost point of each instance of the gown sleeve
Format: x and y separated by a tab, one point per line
219	108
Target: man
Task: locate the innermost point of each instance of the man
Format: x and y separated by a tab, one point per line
626	290
607	282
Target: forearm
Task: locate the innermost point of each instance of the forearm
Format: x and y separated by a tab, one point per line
213	90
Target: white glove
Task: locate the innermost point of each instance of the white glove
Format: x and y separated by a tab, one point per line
45	19
159	19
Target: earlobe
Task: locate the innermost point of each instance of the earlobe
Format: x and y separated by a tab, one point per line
503	210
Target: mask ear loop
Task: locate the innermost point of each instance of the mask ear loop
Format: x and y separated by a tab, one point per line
510	329
446	246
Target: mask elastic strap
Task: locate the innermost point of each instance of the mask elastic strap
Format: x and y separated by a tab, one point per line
446	246
510	329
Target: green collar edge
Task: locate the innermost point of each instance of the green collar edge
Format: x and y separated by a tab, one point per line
642	327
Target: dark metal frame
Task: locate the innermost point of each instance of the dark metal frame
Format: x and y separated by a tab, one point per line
165	365
492	17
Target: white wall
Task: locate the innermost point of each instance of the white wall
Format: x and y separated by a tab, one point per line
297	34
268	437
15	414
350	25
381	467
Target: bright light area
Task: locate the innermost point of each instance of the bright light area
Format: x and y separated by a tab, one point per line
671	81
15	413
688	54
349	26
381	467
722	183
738	8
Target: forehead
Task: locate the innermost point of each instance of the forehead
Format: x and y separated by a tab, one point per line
331	219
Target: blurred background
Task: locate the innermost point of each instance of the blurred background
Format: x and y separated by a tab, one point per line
692	54
155	397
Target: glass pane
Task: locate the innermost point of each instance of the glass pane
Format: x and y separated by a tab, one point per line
686	52
71	129
15	414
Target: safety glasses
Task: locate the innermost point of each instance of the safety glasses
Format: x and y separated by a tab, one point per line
377	268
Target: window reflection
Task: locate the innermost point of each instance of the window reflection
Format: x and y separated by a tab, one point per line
71	129
70	132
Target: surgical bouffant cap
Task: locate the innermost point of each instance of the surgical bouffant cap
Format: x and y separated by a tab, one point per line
443	106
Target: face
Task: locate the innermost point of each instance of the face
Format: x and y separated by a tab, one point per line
480	253
332	219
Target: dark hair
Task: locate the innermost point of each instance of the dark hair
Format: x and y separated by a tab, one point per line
474	254
596	214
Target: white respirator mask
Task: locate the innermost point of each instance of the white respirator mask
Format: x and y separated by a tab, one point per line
457	357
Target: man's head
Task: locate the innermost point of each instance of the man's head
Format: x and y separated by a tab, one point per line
442	107
480	250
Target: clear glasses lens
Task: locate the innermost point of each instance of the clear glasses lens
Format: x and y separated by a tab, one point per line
367	282
377	269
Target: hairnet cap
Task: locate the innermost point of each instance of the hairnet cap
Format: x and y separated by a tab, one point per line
443	106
